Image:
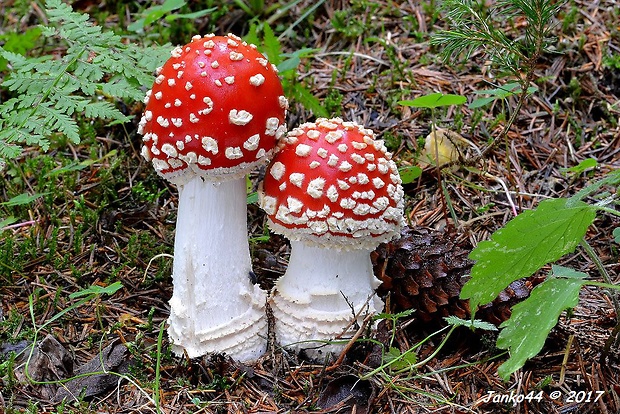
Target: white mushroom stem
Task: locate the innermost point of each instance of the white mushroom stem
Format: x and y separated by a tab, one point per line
318	296
214	306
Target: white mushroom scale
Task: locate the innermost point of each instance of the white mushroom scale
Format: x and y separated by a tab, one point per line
215	111
334	191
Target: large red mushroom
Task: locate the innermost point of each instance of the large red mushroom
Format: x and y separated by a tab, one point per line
334	191
215	111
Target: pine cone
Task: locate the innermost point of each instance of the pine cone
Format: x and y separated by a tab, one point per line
425	270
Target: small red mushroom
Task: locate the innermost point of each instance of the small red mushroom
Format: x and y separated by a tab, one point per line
334	191
215	112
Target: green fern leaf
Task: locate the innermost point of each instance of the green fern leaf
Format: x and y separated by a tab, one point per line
61	122
104	110
50	93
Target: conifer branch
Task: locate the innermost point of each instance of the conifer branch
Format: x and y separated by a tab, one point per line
474	31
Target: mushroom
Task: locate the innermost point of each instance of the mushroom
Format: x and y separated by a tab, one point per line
216	111
334	191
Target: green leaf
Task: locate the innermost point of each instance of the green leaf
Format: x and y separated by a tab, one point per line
293	59
616	234
397	360
157	12
567	272
394	316
435	100
473	324
583	166
524	245
22	199
502	92
524	334
272	48
252	198
409	174
480	102
71	167
194	15
306	98
611	179
7	222
19	43
98	290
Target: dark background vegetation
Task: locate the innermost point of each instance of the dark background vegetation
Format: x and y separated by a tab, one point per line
112	219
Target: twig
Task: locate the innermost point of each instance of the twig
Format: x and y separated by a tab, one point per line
18	225
612	295
349	344
506	191
157	256
565	359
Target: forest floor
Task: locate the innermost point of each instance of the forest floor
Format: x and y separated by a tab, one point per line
113	221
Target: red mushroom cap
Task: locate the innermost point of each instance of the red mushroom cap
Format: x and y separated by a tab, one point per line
333	184
216	109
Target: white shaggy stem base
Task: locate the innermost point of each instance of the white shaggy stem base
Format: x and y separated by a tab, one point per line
214	306
309	301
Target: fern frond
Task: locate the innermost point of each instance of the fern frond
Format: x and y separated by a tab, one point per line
69	104
120	88
59	121
50	93
104	110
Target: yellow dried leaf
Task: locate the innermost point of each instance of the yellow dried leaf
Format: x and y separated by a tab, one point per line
440	147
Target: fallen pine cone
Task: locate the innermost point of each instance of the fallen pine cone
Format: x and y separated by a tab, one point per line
425	270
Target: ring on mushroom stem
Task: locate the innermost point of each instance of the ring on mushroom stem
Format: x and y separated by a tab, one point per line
334	191
215	111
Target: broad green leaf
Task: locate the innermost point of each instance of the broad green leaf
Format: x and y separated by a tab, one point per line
501	92
528	242
157	12
524	334
567	272
480	102
583	166
616	234
435	100
19	42
22	199
289	64
611	179
409	174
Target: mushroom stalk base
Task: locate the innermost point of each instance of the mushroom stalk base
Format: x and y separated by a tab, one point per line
214	306
321	295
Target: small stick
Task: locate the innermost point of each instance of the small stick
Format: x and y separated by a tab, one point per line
349	344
